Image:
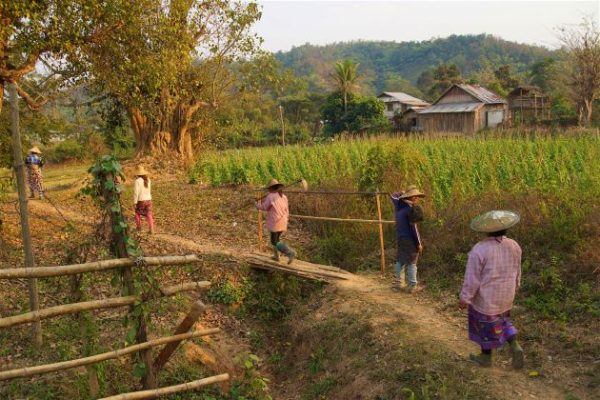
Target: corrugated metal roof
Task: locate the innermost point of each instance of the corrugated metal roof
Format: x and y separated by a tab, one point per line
405	98
481	93
451	108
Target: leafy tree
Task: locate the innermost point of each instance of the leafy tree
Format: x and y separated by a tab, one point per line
425	81
249	115
396	83
51	32
363	113
169	62
345	77
582	44
505	78
444	76
544	74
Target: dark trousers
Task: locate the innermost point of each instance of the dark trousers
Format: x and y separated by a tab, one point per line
275	238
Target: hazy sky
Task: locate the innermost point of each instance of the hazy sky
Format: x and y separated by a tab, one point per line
292	23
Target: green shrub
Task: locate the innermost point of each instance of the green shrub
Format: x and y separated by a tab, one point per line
67	150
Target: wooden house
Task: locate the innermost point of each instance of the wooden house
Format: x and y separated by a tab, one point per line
397	103
528	105
464	108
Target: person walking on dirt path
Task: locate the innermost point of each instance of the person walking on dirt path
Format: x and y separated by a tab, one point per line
34	163
492	278
142	198
278	214
409	245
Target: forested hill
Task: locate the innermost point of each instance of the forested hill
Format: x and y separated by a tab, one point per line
381	61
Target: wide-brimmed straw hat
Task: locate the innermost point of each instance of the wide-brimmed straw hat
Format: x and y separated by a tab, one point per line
495	221
274	184
412	191
141	171
35	150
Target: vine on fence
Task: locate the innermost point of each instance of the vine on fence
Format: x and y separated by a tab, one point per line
105	189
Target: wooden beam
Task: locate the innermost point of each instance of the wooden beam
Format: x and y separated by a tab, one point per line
45	272
95	359
300	268
381	238
93	305
34	303
365	221
188	322
154	393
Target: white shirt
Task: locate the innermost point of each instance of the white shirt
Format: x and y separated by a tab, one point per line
140	192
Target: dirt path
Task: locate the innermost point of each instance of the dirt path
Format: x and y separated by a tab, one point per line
449	331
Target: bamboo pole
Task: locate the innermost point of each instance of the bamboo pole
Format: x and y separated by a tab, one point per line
45	272
154	393
260	231
365	221
282	125
34	303
95	359
334	192
381	241
93	305
188	322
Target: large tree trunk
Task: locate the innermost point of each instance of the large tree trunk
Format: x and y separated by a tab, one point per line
588	108
166	136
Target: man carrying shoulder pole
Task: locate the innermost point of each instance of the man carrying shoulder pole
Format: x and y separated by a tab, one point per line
408	214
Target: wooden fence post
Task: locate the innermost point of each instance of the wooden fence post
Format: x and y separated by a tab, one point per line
34	302
260	230
188	322
381	242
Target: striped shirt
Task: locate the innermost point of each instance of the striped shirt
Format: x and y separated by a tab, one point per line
276	206
493	275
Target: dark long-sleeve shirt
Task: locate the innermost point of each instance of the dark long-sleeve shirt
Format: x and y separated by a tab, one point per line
407	217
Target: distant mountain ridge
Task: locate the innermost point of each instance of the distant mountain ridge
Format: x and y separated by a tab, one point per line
381	60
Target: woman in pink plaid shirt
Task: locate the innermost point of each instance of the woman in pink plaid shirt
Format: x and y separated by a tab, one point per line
492	278
278	214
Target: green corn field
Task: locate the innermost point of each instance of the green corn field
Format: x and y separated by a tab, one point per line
445	167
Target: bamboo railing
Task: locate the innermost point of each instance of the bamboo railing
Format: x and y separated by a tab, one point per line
170	342
46	272
95	359
73	308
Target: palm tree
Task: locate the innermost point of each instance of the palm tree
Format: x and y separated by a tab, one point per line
346	78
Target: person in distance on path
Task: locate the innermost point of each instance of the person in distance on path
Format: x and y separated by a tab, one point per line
142	199
278	214
409	245
492	278
34	164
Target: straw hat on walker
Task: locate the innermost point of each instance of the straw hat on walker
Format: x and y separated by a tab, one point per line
495	221
412	191
141	171
274	184
35	150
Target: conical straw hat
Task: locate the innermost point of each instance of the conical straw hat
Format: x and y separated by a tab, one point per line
35	150
273	183
141	171
495	221
412	191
